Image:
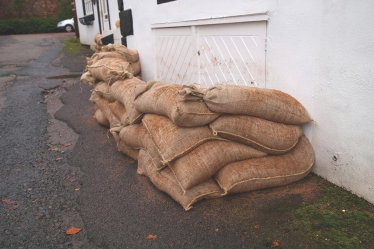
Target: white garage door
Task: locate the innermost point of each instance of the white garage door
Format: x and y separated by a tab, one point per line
212	54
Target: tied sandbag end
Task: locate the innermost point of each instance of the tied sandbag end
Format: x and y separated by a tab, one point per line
119	75
191	93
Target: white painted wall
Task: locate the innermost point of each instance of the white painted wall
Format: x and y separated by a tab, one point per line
319	51
88	32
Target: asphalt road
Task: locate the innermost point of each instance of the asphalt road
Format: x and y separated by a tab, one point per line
93	186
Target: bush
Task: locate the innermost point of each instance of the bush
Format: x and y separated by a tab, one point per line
34	24
28	26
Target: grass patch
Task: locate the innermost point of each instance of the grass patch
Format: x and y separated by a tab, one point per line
338	220
72	46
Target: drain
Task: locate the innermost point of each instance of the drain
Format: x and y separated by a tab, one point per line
64	76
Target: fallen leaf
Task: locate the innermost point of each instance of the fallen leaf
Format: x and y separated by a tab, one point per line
42	168
29	189
39	214
59	158
42	102
274	244
244	233
34	201
216	230
72	179
41	161
73	173
67	145
12	207
257	226
8	202
77	189
11	204
73	230
53	149
151	236
18	170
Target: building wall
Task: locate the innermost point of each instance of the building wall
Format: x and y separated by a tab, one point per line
87	32
319	51
29	8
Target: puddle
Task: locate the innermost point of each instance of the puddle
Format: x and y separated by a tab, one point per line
64	76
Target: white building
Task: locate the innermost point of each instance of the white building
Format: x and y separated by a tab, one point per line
319	51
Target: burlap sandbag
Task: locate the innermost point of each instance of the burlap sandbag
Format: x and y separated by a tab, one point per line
102	55
264	103
136	136
165	181
99	43
162	98
266	172
204	161
119	111
103	104
100	118
261	134
111	69
97	39
136	67
124	92
88	78
173	141
134	154
102	89
131	55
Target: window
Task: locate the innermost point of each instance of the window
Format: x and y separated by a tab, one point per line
87	7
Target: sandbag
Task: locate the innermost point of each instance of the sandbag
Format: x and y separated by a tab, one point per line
111	69
173	141
266	172
88	78
99	43
124	92
98	56
131	55
136	67
163	99
97	39
261	134
136	136
101	119
204	161
102	89
165	181
134	154
119	111
264	103
103	104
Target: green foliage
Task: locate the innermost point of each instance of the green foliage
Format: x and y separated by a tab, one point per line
33	24
339	220
72	46
28	26
65	10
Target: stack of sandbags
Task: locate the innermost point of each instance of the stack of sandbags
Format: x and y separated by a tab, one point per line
203	143
111	63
